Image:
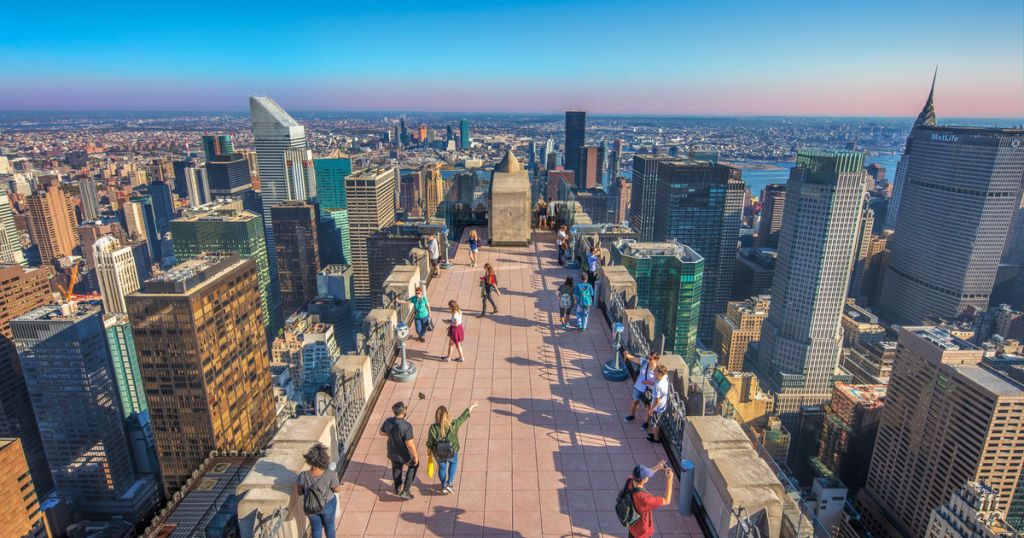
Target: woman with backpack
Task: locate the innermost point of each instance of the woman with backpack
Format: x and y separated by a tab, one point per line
584	300
488	285
566	300
317	487
456	334
443	443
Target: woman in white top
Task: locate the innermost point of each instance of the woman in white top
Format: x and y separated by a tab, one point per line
560	243
455	332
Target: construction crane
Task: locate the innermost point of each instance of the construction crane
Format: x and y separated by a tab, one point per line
69	292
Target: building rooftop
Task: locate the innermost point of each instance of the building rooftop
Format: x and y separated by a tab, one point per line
636	249
863	393
68	312
942	339
190	274
216	213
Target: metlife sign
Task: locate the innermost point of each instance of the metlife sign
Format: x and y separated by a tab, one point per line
945	137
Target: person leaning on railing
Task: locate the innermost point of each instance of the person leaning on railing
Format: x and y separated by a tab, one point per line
646	380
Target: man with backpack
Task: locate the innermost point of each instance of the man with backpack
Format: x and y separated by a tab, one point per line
635	506
401	450
566	300
584	300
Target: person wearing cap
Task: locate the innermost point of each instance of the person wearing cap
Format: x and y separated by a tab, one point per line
643	502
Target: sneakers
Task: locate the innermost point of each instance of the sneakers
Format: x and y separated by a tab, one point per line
446	359
630	418
447	490
406	495
644	425
650	437
460	359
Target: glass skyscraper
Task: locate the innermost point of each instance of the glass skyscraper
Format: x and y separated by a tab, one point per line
126	364
215	146
464	133
699	205
669	279
335	245
575	135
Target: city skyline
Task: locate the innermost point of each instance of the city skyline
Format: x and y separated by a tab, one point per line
868	62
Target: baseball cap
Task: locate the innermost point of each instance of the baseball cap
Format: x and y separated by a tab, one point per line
641	472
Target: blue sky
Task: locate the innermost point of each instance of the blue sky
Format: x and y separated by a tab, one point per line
744	57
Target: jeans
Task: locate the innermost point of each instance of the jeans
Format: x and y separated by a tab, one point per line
487	298
322	524
421	326
582	315
446	470
400	481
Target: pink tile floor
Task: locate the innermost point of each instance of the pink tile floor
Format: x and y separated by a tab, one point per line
547	449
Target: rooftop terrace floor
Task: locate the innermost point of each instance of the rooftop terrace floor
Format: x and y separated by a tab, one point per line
547	450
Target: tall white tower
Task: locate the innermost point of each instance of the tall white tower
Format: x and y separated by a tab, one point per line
115	271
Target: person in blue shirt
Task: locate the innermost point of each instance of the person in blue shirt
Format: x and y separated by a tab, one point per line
474	246
584	300
420	313
593	263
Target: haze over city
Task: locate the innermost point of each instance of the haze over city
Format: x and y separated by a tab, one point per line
662	57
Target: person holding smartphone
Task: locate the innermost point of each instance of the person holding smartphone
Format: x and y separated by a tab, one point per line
643	502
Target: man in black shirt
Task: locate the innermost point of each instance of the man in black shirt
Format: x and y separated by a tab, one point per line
401	450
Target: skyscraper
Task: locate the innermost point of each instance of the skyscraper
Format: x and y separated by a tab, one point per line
197	186
575	135
52	223
275	133
298	259
464	133
773	204
90	199
19	513
801	340
926	118
66	363
699	205
644	194
959	190
10	238
228	176
668	283
335	240
115	272
615	161
125	360
861	258
21	291
589	175
330	182
948	419
371	207
228	229
210	308
215	146
433	191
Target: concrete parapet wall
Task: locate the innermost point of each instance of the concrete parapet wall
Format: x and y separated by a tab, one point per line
401	284
271	482
618	280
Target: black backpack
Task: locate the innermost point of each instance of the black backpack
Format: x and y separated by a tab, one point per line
624	508
313	499
444	451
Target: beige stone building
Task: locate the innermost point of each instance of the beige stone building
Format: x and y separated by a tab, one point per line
737	328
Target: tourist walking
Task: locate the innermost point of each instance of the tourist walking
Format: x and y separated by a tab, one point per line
420	313
317	487
542	213
643	387
560	240
456	334
566	301
443	443
435	255
584	300
474	247
659	403
635	506
401	450
488	285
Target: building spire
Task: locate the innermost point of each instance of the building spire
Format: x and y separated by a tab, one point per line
927	115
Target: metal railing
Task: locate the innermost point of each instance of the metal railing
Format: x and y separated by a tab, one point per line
346	404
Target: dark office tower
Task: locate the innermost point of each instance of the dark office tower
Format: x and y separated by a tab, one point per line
801	340
755	270
699	205
925	119
180	181
773	203
877	172
67	367
448	134
387	248
862	257
163	206
21	290
575	135
298	259
959	194
948	419
590	168
644	195
403	131
465	185
333	304
140	216
217	146
228	177
199	329
615	161
602	166
90	199
464	134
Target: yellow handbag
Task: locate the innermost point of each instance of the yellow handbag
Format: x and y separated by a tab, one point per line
430	465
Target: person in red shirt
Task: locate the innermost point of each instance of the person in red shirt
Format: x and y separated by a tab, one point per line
644	503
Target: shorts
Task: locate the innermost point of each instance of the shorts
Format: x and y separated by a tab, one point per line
474	250
434	262
564	312
638	395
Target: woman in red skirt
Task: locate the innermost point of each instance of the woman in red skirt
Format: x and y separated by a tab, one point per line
456	334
